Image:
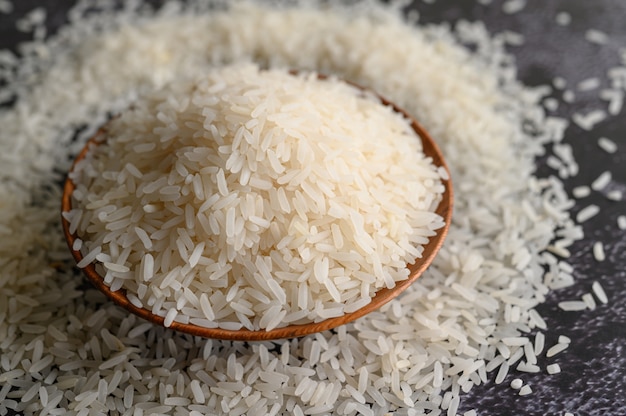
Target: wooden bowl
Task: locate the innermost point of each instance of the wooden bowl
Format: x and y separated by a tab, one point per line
381	297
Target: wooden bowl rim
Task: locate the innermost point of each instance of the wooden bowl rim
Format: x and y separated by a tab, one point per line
383	296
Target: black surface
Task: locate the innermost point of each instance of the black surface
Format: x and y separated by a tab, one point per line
593	381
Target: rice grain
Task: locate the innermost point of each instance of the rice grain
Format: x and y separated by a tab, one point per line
159	365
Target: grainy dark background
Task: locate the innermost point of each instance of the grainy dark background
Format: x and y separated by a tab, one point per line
593	380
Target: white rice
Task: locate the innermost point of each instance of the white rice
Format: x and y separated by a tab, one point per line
528	368
513	6
614	195
572	305
553	368
556	349
569	97
564	339
596	36
582	191
615	98
31	20
512	38
266	146
599	292
621	222
607	145
539	344
502	373
598	251
588	120
490	161
551	104
563	18
6	6
589	84
589	301
559	83
587	213
601	181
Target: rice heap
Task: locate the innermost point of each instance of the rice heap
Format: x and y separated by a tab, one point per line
64	349
255	199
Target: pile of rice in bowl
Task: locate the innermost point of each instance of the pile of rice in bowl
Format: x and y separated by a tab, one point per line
255	199
65	349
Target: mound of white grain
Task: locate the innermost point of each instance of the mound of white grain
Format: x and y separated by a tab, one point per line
65	349
255	198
